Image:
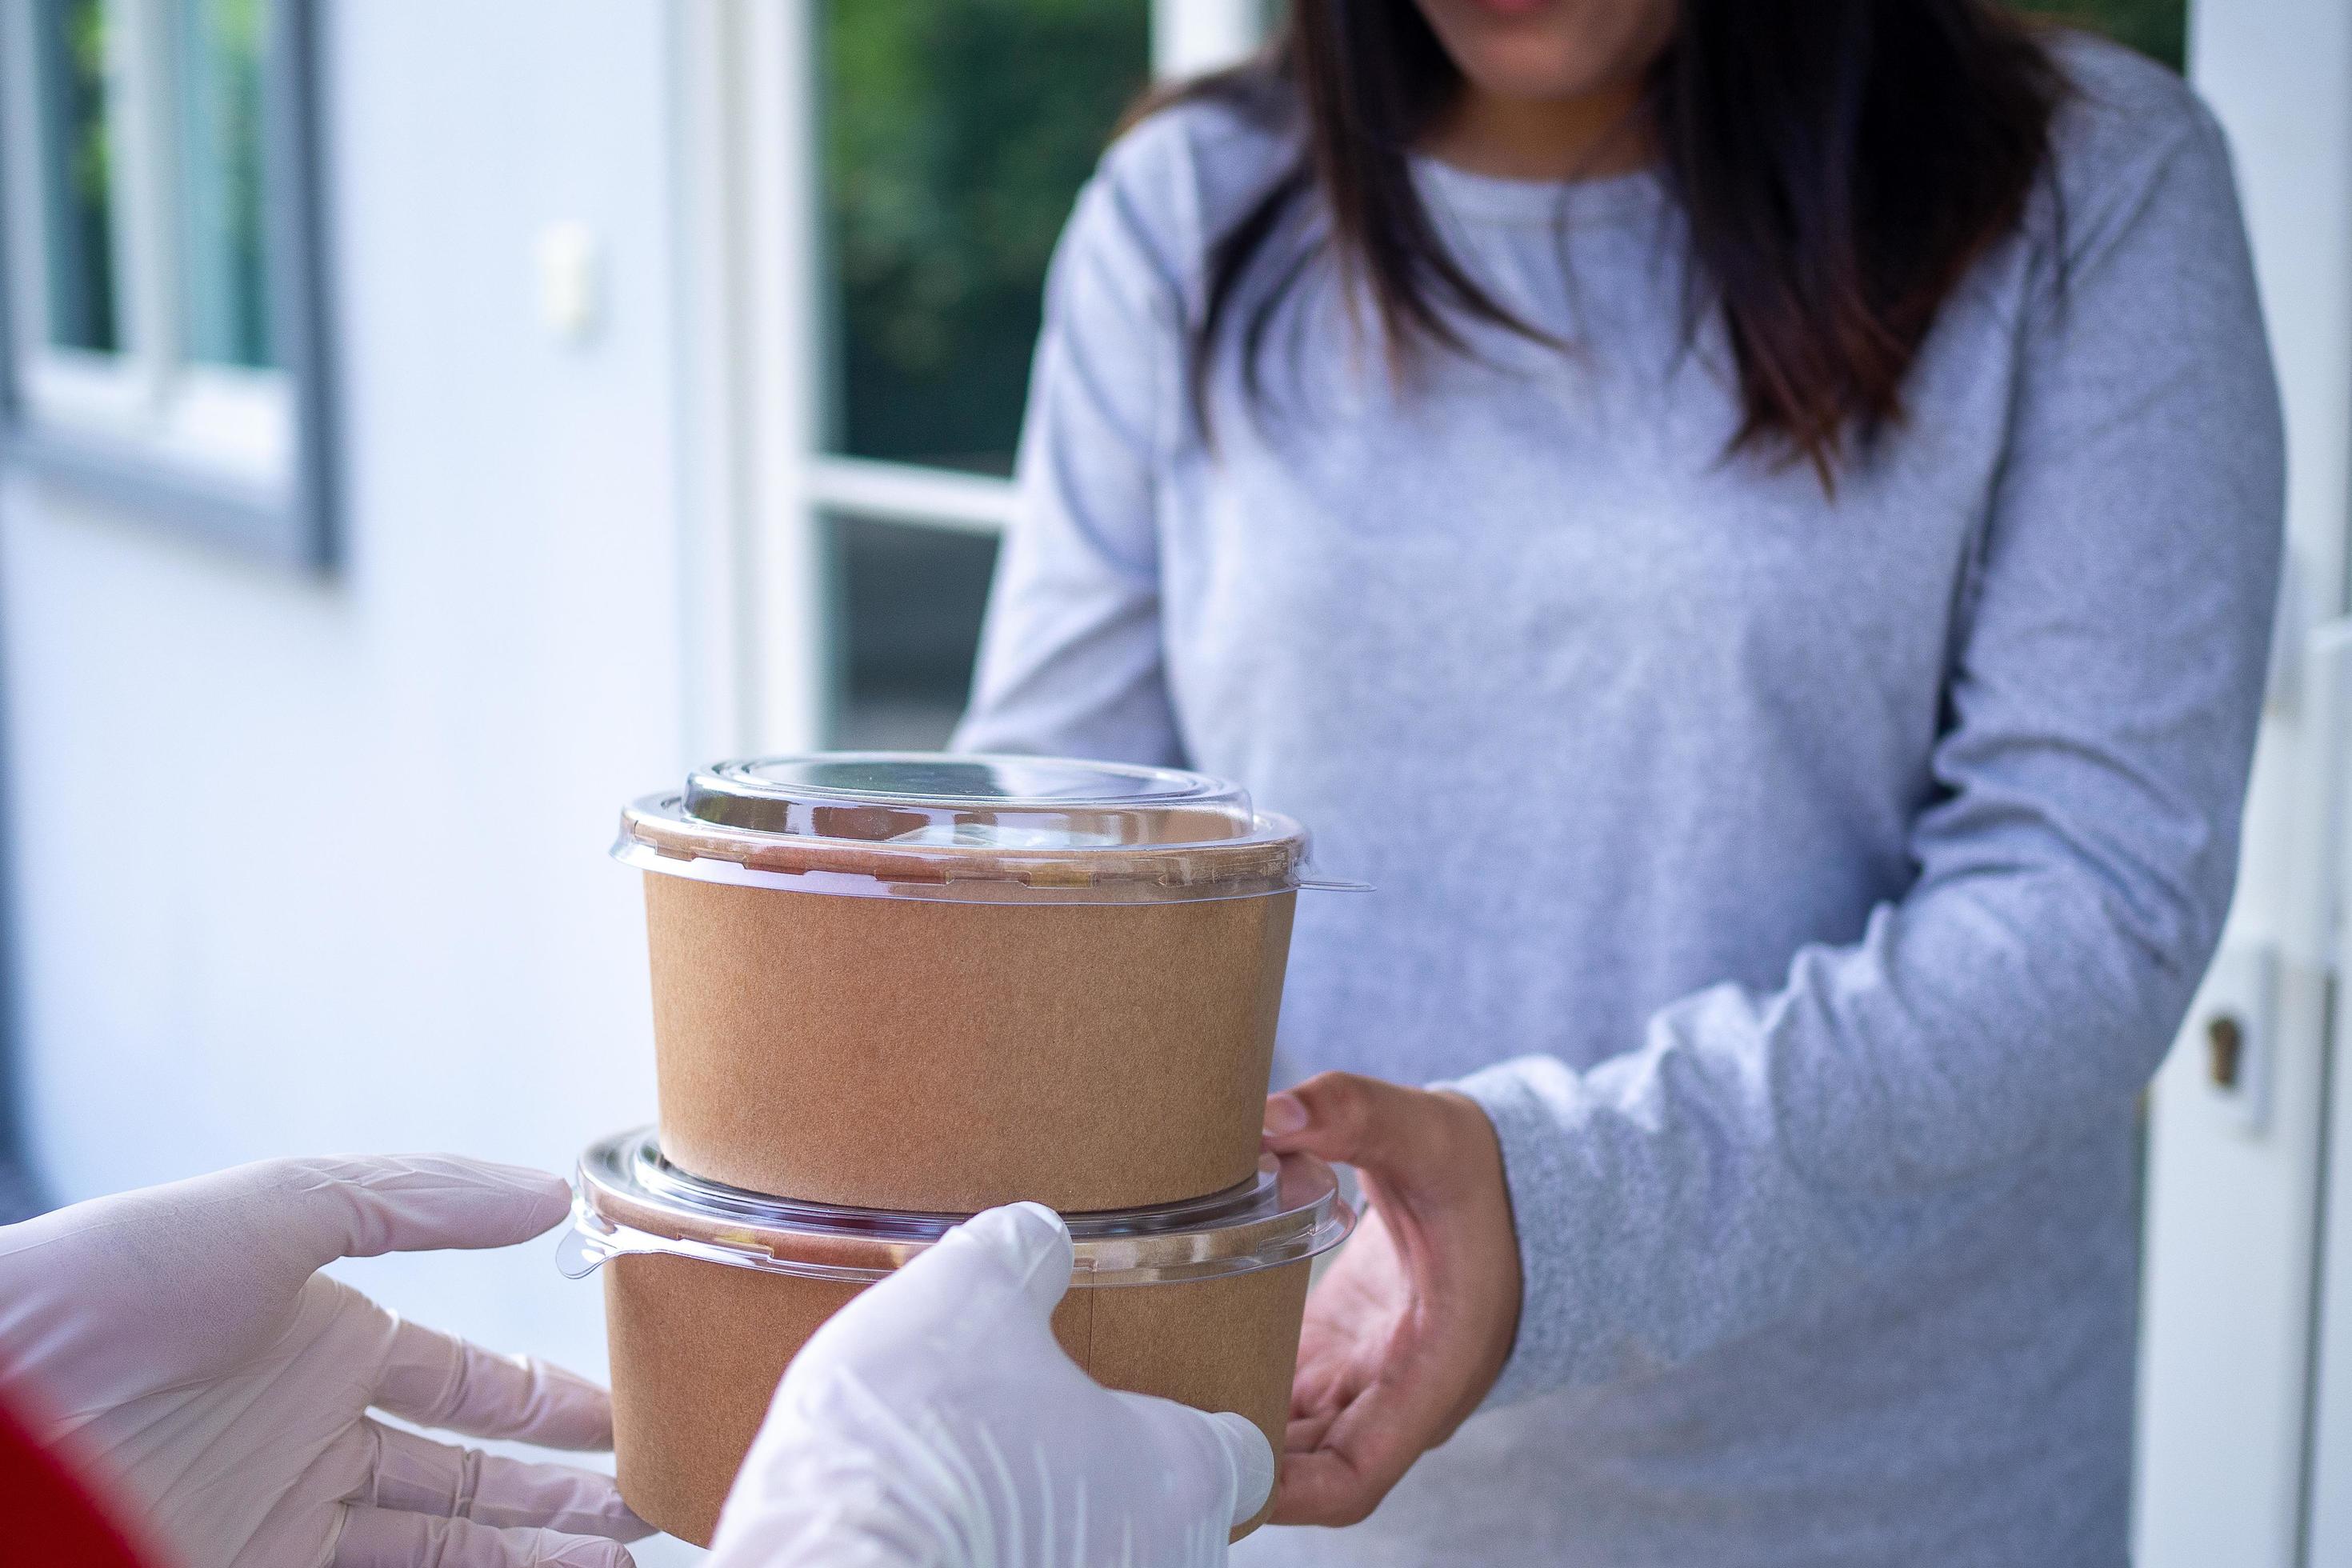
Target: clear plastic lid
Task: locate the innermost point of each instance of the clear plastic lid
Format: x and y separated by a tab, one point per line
626	1199
968	828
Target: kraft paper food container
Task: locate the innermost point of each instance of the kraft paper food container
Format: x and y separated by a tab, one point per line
710	1291
922	982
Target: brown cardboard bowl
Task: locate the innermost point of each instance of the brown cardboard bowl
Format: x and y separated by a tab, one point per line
710	1291
697	1348
912	1053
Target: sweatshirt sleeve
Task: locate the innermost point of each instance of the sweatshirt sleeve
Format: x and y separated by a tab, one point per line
1070	657
1759	1151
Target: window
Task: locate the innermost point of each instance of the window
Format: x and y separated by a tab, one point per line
910	599
163	341
954	135
951	138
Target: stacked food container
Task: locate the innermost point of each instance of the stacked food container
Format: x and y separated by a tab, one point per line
891	990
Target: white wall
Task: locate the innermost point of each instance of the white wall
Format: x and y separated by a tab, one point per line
318	866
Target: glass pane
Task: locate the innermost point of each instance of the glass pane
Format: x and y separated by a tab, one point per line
2155	28
907	602
956	133
217	49
77	173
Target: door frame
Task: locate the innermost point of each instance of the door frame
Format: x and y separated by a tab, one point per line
2240	1340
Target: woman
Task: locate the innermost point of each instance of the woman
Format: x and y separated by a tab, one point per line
1753	522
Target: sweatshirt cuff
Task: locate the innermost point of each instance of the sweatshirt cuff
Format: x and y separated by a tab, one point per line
1531	1100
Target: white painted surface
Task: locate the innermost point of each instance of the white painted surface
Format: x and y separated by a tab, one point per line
719	636
2226	1333
1188	37
772	345
2327	1472
307	866
903	492
571	268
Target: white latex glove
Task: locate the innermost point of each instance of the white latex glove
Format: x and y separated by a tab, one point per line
934	1421
182	1342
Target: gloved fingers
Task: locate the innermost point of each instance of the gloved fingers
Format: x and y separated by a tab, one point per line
421	1476
987	1286
361	1206
394	1538
1252	1457
439	1380
1027	1241
1220	1450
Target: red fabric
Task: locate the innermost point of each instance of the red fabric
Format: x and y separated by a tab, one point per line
51	1514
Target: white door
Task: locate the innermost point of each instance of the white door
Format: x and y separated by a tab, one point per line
2246	1392
2327	1471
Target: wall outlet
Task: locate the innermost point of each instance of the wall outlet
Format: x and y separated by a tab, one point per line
571	280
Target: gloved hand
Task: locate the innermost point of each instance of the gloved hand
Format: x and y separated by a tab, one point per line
934	1421
179	1341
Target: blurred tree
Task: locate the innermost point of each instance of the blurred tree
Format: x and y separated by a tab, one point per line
2156	27
69	47
219	48
955	134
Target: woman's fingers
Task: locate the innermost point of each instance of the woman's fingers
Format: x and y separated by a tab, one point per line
1363	1451
1304	1433
394	1538
1410	1327
1344	1117
438	1380
1355	1373
1323	1486
417	1475
1339	1473
1337	1466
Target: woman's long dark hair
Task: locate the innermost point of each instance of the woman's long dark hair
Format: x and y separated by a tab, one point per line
1840	163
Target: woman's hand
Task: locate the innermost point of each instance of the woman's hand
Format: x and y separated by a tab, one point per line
1411	1326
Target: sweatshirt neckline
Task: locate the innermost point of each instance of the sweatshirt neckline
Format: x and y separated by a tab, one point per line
1494	198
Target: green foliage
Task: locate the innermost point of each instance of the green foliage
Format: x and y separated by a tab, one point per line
956	133
220	48
2158	28
90	166
77	173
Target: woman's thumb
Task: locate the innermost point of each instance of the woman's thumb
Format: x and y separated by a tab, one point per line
1342	1116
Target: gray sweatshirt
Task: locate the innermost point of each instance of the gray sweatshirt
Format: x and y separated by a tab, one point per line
1805	884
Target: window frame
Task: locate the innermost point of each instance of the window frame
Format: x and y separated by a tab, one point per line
759	486
1188	36
240	458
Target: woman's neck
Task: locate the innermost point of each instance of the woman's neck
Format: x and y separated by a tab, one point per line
1585	138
